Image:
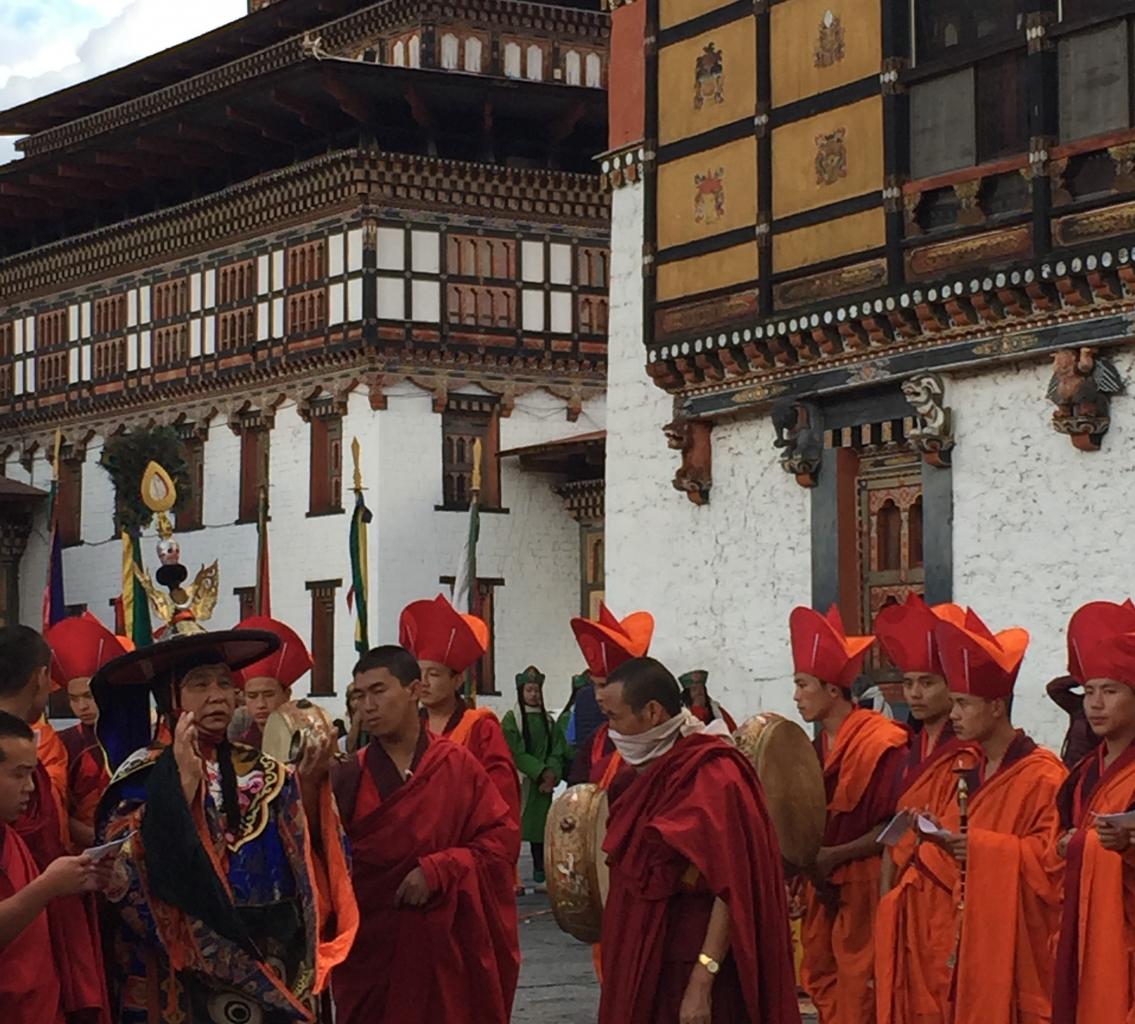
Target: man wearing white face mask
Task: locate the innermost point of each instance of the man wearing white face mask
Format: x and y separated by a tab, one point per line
696	924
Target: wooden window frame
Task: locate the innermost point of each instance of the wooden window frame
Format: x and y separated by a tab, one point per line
191	514
470	418
69	501
325	491
246	602
255	455
323	596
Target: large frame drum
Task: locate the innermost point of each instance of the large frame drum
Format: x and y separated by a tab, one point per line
578	878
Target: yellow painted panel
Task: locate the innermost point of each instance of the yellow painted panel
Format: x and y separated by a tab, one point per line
674	12
824	159
708	193
707	81
829	240
819	45
706	273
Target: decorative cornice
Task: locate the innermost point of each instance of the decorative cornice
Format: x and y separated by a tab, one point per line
336	183
584	500
1086	300
622	167
335	36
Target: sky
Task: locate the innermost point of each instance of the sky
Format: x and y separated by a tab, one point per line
47	45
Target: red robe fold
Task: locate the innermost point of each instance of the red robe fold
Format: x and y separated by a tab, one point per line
916	921
1095	955
691	828
479	731
1004	968
456	959
88	773
72	920
29	984
860	773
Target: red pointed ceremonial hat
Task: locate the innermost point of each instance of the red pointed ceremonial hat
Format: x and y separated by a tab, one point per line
436	631
1093	650
80	646
606	644
906	633
977	663
822	648
286	664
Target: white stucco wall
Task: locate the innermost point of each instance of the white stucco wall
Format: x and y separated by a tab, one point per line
534	548
1039	527
720	579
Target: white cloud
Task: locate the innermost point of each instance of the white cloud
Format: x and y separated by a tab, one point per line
46	45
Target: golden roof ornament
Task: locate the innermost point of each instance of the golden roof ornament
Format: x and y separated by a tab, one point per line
185	608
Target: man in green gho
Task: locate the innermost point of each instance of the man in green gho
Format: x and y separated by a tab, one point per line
541	757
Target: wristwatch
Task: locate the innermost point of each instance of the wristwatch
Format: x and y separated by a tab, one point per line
709	963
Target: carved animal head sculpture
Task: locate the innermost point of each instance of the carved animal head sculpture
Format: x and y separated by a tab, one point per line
923	392
677	433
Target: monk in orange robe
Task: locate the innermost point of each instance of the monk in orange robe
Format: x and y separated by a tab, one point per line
999	861
915	925
1095	955
434	847
861	753
80	646
31	990
446	644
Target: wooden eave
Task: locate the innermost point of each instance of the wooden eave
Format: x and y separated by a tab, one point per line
581	457
967	321
12	492
334	36
289	115
278	21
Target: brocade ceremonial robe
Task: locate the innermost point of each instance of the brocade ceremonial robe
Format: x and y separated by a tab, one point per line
916	922
690	829
478	730
29	983
860	773
213	923
72	920
457	958
1006	937
1095	955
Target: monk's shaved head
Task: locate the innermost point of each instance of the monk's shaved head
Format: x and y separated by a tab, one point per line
644	680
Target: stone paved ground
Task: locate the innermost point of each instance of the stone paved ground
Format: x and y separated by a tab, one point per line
557	982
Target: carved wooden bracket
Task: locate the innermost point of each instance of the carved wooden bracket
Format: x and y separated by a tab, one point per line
692	438
800	438
933	432
1081	387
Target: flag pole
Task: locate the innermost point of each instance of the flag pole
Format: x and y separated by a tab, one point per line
471	567
360	559
53	608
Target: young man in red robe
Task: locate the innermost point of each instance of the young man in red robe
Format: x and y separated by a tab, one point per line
1004	938
446	644
30	988
695	695
695	928
861	753
80	646
1095	954
25	683
267	685
434	847
914	925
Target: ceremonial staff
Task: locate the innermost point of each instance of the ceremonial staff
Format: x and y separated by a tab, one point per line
963	813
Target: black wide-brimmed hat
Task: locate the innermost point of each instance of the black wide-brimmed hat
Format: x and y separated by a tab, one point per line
123	687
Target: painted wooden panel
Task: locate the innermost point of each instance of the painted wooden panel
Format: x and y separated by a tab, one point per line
823	44
706	273
674	12
824	159
707	81
708	193
829	240
626	94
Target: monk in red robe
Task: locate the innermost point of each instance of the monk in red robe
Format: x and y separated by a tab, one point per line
30	988
434	845
267	685
695	696
80	646
696	923
25	683
1095	955
446	644
1004	938
915	923
861	753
